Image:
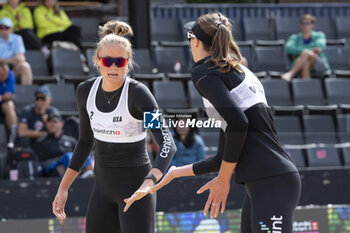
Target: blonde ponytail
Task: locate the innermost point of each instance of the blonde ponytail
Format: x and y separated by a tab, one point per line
116	27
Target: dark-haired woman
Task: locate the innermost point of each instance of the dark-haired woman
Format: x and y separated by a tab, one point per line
110	112
189	144
52	24
248	142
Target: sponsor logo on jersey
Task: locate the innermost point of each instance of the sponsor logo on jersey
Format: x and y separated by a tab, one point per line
106	131
117	119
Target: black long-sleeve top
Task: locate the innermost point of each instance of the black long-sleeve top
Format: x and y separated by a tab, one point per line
249	139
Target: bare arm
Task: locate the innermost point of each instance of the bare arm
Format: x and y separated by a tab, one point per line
11	60
62	193
24	131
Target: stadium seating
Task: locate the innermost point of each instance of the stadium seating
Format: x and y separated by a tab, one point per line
63	98
342	26
3	149
326	25
308	92
298	156
270	56
169	94
165	29
319	129
343	127
24	96
289	130
338	56
338	90
237	29
322	156
277	92
40	69
247	51
258	28
346	155
261	41
144	62
89	33
286	26
195	98
166	57
210	138
93	72
68	64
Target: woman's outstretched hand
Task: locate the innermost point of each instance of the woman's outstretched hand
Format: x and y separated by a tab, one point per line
144	189
219	190
169	176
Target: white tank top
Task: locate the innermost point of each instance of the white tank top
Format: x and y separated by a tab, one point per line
248	93
118	126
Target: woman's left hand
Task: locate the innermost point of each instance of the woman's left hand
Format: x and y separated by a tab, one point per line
140	193
219	190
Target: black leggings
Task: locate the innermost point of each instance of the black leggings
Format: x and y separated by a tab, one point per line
30	40
270	203
105	211
71	34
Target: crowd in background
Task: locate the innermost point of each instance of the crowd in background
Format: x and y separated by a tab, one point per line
39	127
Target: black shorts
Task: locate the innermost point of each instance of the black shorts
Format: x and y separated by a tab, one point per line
320	66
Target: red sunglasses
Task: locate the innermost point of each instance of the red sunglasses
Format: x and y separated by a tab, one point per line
4	27
118	61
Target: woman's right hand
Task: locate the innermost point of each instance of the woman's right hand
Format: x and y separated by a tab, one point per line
59	203
169	176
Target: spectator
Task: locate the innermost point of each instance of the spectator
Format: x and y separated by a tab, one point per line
52	24
31	124
52	149
190	146
12	52
23	25
7	94
306	50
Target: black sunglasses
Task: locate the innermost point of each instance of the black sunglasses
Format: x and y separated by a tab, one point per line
43	98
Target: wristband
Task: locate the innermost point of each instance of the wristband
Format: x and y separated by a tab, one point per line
152	177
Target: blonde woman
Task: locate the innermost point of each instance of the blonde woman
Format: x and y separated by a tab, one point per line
111	111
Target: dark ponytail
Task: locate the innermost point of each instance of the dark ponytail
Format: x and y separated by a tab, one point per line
225	54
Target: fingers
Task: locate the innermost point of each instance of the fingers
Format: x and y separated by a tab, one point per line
215	207
223	206
129	202
136	196
203	188
207	205
57	211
